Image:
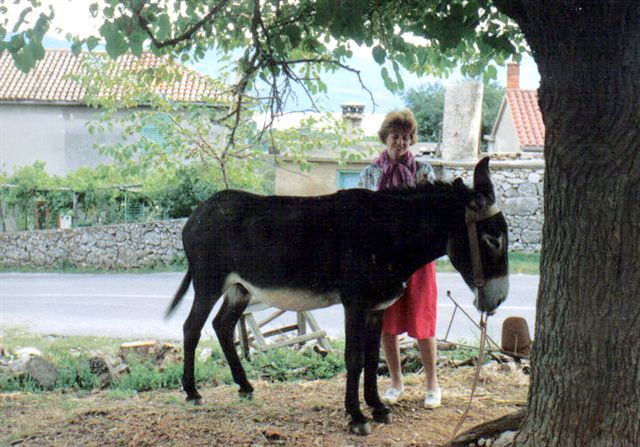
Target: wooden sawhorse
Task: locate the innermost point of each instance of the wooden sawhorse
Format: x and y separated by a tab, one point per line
249	331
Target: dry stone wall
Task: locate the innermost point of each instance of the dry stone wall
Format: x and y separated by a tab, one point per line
519	192
108	247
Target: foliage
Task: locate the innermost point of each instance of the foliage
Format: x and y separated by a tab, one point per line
427	103
108	195
269	46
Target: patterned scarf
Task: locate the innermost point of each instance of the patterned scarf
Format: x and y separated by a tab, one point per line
397	174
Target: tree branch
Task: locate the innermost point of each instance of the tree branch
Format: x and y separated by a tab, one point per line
210	16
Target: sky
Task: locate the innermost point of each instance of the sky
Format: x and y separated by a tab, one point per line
343	86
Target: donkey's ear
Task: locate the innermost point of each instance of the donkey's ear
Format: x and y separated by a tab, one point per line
482	180
458	184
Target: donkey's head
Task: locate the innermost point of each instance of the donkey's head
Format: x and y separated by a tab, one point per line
479	251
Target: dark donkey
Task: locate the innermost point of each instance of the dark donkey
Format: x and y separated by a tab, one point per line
354	247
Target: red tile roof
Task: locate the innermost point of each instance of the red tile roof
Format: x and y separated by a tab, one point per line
47	81
527	118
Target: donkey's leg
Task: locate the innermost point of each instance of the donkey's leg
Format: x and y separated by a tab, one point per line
355	321
371	359
236	300
202	305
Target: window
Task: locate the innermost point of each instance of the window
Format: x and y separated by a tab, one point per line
152	133
348	179
155	128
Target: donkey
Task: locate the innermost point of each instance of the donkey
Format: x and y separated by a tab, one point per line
355	247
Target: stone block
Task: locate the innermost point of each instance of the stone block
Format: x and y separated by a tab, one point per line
520	206
41	371
462	121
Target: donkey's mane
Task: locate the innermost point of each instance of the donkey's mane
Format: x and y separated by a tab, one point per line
436	190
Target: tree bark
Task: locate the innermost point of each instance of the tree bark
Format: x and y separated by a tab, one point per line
585	388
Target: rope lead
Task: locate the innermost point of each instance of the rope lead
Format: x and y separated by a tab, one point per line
483	334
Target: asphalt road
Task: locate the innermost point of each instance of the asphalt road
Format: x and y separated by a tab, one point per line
132	306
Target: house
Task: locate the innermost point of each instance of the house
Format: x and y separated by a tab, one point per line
518	128
43	113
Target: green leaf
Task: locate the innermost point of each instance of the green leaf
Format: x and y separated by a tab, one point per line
490	73
94	8
92	42
136	41
388	82
116	44
37	50
76	47
16	43
379	54
21	19
23	59
294	33
164	27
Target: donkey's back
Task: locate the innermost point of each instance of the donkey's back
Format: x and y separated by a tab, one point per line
276	242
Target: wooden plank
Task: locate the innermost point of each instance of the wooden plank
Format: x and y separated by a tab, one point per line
302	323
255	329
271	333
316	328
271	317
296	340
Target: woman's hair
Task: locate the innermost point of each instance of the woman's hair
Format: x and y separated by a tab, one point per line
399	121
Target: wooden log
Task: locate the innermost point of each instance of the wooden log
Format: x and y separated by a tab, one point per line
491	429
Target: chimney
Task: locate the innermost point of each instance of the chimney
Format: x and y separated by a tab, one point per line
352	113
513	75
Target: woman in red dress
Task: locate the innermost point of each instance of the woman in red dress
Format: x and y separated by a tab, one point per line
415	311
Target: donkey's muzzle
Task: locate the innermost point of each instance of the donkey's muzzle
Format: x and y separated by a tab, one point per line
492	294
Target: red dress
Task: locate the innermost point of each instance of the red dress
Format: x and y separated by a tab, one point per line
415	311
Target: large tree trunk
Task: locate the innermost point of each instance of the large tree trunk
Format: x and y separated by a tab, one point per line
585	388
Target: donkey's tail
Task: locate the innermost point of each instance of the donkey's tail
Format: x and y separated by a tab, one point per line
186	281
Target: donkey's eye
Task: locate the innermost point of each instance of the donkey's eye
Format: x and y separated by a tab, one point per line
493	243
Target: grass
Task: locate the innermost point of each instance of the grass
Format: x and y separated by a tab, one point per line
70	356
177	264
519	262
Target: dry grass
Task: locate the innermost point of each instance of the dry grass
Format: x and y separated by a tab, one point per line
281	414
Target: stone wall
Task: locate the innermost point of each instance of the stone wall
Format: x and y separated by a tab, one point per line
107	247
519	192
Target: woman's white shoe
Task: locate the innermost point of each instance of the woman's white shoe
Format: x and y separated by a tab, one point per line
392	395
433	398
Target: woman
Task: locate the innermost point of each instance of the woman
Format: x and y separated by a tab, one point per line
415	311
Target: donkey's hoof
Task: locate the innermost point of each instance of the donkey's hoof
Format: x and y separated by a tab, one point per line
362	428
383	415
245	394
195	399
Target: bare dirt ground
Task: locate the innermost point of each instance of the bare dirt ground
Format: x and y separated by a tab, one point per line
282	414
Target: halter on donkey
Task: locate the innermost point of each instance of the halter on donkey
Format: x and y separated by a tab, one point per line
354	247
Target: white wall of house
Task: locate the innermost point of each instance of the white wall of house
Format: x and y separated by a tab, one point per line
506	139
55	134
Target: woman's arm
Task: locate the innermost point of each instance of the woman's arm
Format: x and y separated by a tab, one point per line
369	178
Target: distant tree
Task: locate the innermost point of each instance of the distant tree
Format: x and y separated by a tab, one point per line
427	103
